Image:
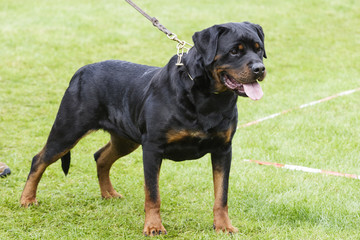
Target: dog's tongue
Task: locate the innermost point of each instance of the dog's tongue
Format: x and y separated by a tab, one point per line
253	90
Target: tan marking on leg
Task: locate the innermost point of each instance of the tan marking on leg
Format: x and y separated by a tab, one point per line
28	196
103	164
221	217
116	148
153	225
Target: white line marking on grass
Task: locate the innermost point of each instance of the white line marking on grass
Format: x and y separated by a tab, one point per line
304	169
300	107
295	167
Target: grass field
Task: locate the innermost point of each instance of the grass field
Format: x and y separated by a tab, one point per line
313	49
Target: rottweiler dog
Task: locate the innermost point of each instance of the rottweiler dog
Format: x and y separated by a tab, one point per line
174	112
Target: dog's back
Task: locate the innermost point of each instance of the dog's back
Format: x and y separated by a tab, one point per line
108	91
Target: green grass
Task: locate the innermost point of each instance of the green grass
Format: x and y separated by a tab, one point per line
313	50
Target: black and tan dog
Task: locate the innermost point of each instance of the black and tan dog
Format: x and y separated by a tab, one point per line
174	112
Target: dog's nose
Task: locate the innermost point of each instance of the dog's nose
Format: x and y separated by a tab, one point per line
258	68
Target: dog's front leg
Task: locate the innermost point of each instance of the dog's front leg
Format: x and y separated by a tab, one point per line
221	162
152	163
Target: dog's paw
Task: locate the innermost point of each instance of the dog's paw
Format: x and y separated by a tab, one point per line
109	195
154	229
26	202
226	228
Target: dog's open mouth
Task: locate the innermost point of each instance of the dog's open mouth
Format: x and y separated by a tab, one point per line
251	90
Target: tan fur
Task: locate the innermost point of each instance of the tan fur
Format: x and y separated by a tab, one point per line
221	217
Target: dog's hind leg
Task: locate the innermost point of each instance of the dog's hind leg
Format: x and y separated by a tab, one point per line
69	127
48	155
105	157
54	149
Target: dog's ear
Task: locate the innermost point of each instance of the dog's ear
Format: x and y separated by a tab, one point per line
261	34
206	42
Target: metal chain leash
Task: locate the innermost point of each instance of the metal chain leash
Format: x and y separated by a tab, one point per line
182	46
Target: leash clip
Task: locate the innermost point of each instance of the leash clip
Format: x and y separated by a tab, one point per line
182	47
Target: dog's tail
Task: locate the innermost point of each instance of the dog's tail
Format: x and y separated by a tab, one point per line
65	163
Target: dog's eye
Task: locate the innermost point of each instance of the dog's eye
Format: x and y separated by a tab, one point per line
235	51
257	47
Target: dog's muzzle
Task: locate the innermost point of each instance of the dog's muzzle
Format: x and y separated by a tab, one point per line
252	90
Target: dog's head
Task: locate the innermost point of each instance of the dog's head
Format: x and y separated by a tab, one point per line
233	53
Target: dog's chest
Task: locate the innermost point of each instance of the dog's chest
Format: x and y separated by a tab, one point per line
187	144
